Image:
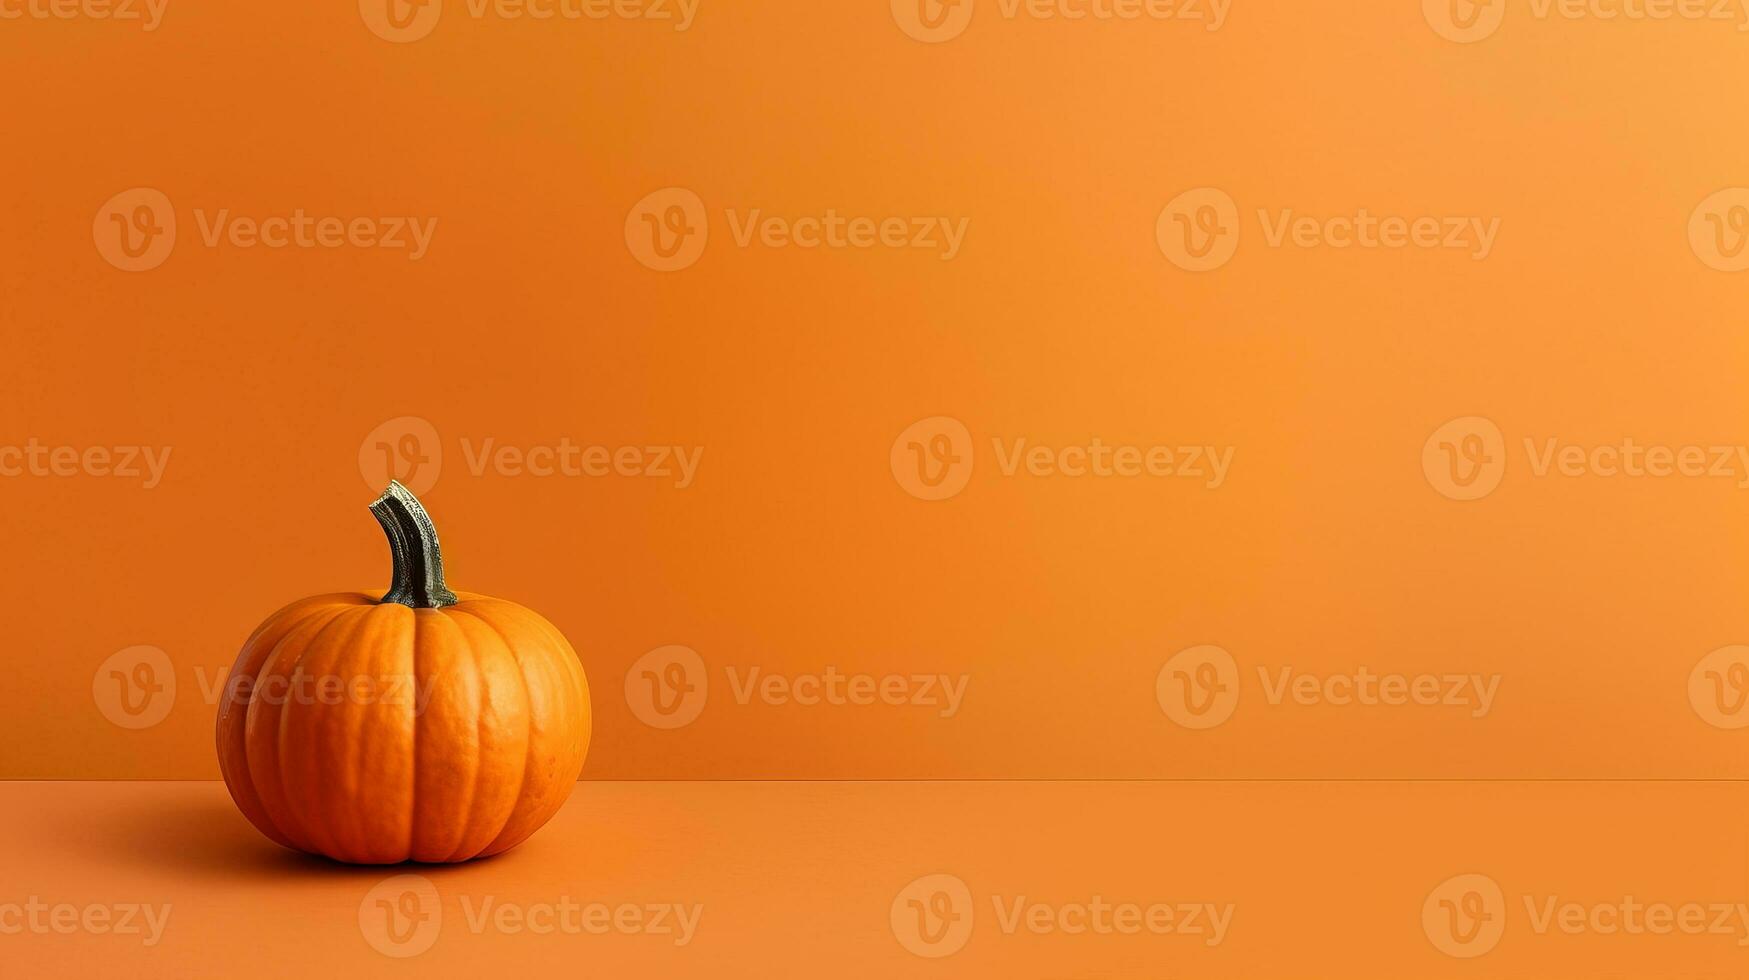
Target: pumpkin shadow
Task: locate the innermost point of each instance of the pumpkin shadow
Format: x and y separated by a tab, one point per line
208	838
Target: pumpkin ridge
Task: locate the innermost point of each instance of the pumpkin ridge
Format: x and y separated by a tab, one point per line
480	740
279	736
349	787
528	724
435	833
413	749
323	798
278	815
232	728
403	631
573	668
549	803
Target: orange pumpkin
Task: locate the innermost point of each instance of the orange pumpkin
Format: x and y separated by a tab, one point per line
425	725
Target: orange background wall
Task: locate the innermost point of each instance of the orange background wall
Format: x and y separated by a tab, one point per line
1063	317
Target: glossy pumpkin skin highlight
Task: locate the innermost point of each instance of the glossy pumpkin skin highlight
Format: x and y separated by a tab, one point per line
376	731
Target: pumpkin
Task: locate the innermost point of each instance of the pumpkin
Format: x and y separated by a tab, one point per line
424	725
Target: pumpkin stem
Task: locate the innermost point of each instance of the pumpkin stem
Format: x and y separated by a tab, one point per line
418	574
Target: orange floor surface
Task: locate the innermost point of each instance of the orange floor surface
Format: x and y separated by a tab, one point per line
901	879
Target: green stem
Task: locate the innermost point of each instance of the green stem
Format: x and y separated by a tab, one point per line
417	579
